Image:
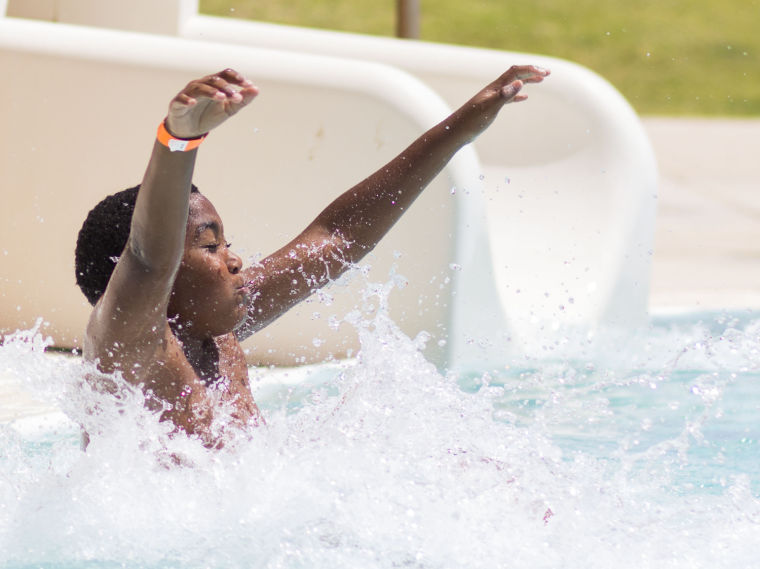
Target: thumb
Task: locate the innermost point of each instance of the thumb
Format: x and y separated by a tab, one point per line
510	91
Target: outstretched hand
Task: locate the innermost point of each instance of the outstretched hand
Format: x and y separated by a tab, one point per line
480	111
207	102
510	83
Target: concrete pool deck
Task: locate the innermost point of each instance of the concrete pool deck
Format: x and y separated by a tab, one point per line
707	235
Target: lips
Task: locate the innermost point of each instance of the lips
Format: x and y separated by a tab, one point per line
245	293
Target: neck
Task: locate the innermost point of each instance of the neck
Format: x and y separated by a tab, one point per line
202	352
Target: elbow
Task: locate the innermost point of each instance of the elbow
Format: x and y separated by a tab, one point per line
343	248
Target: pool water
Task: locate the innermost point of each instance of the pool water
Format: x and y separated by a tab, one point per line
635	449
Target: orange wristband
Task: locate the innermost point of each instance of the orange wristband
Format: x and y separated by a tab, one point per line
177	144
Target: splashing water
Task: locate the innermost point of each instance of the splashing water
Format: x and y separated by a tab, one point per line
634	454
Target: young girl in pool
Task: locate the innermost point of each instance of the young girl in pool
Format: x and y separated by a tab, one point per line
172	301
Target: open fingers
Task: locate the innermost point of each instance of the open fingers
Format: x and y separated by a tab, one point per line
512	81
534	74
525	73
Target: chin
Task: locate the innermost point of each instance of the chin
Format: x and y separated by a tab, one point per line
223	326
240	320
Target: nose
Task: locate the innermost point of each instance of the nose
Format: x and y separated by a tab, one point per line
234	262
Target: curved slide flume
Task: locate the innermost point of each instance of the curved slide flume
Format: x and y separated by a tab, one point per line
545	224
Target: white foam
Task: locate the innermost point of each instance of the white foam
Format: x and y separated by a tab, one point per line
596	456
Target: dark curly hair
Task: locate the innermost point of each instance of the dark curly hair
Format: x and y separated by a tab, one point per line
102	239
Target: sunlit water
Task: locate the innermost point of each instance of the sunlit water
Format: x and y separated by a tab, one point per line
638	450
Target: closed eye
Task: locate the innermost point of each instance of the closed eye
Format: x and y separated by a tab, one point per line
213	247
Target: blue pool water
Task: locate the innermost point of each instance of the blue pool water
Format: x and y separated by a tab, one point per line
627	450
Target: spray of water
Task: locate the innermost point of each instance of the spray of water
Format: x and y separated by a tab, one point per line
578	460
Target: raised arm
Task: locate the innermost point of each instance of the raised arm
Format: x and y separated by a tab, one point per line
353	224
129	321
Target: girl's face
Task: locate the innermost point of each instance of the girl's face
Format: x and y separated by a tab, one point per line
209	297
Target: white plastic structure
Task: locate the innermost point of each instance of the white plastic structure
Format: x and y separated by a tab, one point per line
550	229
569	181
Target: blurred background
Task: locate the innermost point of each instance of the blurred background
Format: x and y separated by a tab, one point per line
668	57
689	68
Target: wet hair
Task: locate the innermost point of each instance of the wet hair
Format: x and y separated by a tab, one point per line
102	239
